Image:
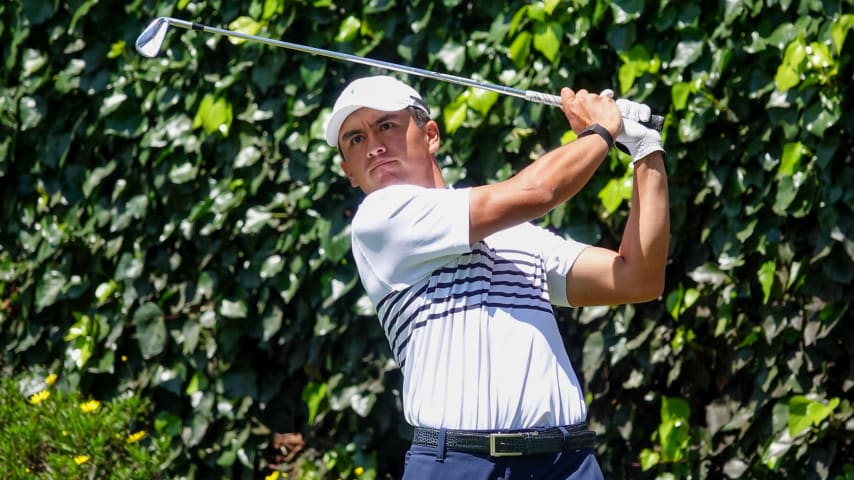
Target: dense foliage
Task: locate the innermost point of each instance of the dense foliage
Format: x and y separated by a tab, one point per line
177	228
47	432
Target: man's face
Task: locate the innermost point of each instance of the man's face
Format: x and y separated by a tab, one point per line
388	148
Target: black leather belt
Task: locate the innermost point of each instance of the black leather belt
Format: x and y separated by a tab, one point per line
509	443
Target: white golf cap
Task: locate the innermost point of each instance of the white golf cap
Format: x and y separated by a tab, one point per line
381	92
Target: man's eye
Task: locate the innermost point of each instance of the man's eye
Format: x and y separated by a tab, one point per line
386	126
355	139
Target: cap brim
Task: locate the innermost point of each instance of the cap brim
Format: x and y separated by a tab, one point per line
333	126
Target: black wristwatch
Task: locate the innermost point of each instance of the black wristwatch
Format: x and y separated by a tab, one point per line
599	130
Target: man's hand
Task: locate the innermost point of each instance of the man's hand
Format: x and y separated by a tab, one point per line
636	139
583	109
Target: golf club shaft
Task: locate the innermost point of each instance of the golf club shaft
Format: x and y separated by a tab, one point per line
655	121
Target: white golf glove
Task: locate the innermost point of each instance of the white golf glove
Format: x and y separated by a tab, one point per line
636	139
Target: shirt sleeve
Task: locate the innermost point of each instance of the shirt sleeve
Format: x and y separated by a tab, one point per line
403	233
560	255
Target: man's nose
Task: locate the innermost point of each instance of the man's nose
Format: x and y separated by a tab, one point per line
375	146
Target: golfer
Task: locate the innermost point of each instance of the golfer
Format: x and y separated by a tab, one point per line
464	285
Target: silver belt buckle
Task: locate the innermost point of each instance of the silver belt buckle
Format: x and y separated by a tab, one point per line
494	436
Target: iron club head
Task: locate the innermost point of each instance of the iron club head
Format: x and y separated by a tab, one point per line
151	39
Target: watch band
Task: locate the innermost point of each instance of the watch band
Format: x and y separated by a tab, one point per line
599	130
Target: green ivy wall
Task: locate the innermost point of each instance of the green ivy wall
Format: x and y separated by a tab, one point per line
176	227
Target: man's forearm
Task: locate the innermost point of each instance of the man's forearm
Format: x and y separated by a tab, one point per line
551	180
646	238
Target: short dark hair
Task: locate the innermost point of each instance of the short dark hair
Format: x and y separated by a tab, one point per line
421	117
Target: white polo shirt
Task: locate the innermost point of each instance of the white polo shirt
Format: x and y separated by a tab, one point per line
471	326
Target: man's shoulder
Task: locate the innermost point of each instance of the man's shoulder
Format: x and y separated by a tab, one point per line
396	201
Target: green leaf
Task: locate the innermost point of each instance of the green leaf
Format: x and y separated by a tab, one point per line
313	394
348	30
454	113
790	70
481	100
679	94
243	24
50	285
674	431
839	30
453	56
150	330
34	61
687	52
520	49
233	308
766	278
648	459
804	412
626	11
31	113
537	11
627	74
674	408
547	37
214	115
615	192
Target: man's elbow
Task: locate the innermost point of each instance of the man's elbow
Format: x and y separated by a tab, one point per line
648	288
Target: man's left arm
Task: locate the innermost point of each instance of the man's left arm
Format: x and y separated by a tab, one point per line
635	273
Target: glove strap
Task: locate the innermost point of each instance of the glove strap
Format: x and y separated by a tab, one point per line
599	130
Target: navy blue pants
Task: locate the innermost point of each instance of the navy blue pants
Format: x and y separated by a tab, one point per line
429	463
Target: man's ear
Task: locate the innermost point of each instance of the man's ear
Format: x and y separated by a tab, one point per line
346	167
431	129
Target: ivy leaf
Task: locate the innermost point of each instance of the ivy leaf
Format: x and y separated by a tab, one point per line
243	24
839	30
626	11
49	287
687	52
547	38
348	30
313	394
214	115
453	56
150	330
454	113
481	100
520	49
615	192
789	72
233	308
804	412
766	278
678	93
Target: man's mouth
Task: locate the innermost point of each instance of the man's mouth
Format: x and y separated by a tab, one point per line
380	164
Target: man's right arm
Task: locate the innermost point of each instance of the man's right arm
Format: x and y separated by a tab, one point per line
553	178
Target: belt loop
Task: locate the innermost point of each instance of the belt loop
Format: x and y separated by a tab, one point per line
440	446
565	432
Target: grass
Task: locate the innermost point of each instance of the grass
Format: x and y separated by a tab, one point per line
49	433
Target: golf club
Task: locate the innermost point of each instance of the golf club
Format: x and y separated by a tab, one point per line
151	40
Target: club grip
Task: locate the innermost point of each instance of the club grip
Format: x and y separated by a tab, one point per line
656	122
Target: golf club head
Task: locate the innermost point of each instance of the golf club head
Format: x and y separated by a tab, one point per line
151	39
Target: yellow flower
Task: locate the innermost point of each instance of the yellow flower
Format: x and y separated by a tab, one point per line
272	476
359	470
51	379
135	437
81	459
124	358
38	398
90	406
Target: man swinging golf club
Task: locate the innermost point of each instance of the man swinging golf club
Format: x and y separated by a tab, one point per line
464	285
